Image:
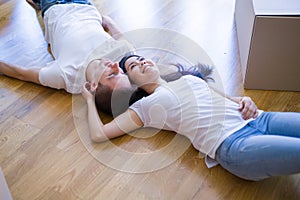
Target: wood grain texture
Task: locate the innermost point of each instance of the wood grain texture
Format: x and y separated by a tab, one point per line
45	149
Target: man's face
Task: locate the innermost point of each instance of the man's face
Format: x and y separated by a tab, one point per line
109	73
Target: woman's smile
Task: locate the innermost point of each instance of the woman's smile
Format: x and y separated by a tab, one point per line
146	68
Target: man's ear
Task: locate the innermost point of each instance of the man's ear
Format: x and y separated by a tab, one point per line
93	86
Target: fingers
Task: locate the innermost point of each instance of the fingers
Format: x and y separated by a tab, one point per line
106	22
256	114
248	108
86	91
93	86
86	86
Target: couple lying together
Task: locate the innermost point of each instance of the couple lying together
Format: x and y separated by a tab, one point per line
231	131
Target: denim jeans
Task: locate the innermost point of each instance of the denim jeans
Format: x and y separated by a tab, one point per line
44	5
268	146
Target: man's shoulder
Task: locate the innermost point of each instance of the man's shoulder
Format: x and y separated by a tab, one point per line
110	49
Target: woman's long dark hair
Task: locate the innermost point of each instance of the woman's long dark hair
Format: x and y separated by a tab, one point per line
115	102
199	70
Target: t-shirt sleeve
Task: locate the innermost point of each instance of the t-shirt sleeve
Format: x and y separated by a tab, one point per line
137	107
151	111
51	76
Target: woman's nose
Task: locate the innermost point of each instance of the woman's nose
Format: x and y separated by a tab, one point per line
142	63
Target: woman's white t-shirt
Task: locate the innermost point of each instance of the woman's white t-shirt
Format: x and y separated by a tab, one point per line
189	107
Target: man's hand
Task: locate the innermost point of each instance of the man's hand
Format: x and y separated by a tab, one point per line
248	108
32	4
110	26
106	22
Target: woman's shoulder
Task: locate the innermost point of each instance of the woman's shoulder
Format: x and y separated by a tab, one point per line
163	95
192	79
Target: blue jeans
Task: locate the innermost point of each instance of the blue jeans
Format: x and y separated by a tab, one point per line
44	5
268	146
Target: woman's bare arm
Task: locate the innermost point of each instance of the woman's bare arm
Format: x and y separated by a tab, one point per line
122	124
247	107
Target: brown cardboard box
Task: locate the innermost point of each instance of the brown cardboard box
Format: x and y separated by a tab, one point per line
268	34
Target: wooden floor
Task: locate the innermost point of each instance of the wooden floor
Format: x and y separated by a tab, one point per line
45	150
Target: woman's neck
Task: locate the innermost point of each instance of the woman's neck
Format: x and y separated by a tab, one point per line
151	87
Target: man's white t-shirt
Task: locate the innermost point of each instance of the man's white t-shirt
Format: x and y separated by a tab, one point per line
189	107
74	31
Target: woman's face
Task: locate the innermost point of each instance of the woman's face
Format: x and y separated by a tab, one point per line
142	71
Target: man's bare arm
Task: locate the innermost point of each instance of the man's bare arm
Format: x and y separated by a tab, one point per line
24	74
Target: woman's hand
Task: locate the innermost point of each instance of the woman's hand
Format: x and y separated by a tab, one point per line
86	91
248	108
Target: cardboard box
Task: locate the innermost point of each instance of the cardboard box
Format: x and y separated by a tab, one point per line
268	35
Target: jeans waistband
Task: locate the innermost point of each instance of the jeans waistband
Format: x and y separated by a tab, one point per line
46	4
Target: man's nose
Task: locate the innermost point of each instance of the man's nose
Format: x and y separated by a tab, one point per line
115	68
